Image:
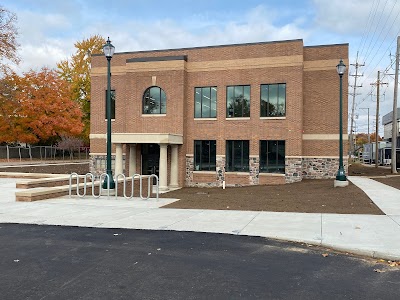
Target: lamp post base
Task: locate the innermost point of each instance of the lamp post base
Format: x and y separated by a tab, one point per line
340	183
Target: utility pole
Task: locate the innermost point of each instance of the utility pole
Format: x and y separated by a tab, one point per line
355	86
395	130
378	84
369	137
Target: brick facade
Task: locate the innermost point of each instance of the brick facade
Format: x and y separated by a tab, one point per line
309	128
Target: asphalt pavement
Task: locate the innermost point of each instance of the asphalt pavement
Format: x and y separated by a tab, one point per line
62	262
370	235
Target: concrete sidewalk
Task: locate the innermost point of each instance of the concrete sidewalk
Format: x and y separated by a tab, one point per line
371	235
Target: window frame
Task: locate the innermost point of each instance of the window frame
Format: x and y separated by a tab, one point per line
265	113
212	161
162	110
230	112
201	88
264	161
244	167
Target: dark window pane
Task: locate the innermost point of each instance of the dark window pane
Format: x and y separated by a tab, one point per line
238	104
246	101
273	100
206	102
163	102
237	156
197	155
230	100
197	106
272	156
264	100
213	155
245	155
282	100
238	101
154	101
204	155
213	102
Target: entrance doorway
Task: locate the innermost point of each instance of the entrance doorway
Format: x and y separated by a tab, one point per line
150	159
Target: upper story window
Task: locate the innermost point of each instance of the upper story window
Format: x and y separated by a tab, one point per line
238	101
205	102
273	100
154	101
112	105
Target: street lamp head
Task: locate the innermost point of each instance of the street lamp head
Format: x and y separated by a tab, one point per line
108	49
341	68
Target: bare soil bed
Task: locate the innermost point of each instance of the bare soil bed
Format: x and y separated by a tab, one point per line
308	196
48	168
311	196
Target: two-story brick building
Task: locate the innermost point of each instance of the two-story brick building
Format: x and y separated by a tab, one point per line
258	113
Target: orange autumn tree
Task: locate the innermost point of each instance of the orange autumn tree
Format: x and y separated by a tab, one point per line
76	70
37	107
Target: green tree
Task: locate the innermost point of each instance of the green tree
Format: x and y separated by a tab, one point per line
76	71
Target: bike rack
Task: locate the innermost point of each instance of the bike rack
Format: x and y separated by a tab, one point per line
106	177
124	186
85	183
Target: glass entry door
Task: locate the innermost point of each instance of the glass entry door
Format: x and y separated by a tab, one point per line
150	159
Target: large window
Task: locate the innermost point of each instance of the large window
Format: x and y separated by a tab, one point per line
237	156
238	101
273	100
154	101
112	104
205	102
272	157
205	153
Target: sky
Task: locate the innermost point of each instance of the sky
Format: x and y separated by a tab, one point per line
48	30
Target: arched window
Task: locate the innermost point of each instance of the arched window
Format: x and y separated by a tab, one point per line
154	101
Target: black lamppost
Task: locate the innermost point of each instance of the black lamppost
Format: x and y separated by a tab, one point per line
108	49
341	176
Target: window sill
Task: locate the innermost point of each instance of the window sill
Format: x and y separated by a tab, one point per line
205	119
238	118
112	120
272	118
154	115
272	174
237	173
204	172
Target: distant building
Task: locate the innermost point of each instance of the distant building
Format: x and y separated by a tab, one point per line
387	121
246	114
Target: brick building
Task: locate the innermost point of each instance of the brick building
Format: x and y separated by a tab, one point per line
258	113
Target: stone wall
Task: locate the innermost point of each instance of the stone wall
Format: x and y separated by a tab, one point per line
293	169
254	170
321	168
189	170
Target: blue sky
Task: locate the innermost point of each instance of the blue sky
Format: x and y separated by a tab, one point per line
49	28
